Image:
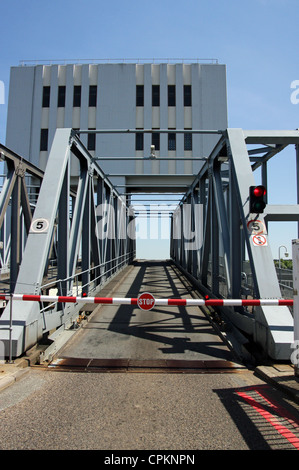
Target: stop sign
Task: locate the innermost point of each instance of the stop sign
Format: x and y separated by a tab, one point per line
146	301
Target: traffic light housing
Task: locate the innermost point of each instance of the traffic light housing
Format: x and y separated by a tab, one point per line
257	199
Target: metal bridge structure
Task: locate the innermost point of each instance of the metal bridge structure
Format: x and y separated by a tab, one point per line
68	237
63	250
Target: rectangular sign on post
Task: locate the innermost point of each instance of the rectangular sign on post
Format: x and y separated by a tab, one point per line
295	254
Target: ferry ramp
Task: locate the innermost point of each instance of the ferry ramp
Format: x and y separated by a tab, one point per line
124	337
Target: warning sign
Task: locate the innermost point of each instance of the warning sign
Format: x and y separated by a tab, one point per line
146	301
256	227
259	240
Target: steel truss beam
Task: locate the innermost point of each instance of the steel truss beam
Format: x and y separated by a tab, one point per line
67	234
17	200
227	255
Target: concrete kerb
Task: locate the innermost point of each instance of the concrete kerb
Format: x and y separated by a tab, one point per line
11	373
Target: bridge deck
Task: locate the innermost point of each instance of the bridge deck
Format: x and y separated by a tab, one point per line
124	336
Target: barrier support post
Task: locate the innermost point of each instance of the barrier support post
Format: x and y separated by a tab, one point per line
10	330
295	255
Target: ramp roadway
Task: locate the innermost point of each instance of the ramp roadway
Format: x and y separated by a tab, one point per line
164	337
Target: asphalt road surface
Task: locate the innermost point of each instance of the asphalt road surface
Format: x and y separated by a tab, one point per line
160	403
145	411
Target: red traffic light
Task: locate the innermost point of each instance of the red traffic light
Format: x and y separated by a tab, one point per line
259	191
257	200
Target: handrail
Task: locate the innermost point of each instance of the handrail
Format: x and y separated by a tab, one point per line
85	271
25	62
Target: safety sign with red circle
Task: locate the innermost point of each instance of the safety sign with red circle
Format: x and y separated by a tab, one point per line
259	240
256	227
146	301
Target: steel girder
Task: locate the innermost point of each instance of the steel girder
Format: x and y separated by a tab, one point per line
17	201
230	254
66	235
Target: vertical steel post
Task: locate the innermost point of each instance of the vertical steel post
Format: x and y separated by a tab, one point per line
171	249
194	205
10	330
86	245
265	183
204	262
214	243
63	235
236	260
297	173
15	251
295	255
182	241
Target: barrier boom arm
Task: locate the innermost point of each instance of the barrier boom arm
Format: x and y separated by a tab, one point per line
134	301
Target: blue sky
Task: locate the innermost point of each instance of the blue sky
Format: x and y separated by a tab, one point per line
256	39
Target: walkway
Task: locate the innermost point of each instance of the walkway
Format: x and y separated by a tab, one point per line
125	336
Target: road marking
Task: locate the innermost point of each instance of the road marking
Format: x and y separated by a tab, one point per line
272	418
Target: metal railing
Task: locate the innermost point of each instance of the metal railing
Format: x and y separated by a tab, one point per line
126	256
117	61
74	280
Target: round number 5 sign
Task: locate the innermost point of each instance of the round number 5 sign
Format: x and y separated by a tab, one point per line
39	226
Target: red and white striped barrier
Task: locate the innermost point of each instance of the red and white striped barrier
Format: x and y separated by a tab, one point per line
147	303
